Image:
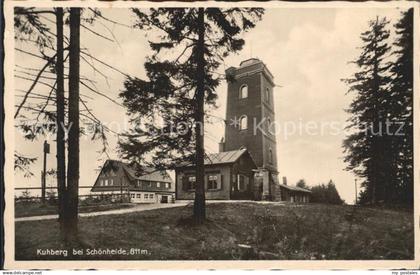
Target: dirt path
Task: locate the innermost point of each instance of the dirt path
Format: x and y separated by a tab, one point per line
137	208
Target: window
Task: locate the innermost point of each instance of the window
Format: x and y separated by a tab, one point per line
212	182
158	184
151	196
242	183
101	183
111	182
269	125
243	123
139	196
191	183
106	182
243	91
270	155
167	185
133	196
146	196
267	95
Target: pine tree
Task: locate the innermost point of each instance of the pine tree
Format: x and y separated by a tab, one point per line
332	194
401	104
73	166
60	104
326	194
30	28
179	87
366	148
301	183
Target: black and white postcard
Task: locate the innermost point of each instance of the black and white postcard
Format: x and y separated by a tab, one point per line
257	135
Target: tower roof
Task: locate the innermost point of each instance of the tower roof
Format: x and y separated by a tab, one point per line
251	65
250	61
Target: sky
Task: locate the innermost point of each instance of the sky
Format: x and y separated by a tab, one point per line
308	51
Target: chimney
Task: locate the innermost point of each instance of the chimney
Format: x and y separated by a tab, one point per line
222	145
284	180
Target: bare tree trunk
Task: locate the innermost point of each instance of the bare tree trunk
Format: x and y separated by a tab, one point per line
200	200
73	136
61	148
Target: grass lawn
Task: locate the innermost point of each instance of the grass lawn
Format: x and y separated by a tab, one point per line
27	209
235	231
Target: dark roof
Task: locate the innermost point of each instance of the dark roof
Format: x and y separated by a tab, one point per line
249	61
149	174
295	188
220	158
223	157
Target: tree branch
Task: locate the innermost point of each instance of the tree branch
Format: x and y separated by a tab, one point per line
103	63
33	86
29	53
99	93
94	118
95	69
96	33
21	12
109	20
30	79
48	99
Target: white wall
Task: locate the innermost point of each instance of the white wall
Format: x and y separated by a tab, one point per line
147	197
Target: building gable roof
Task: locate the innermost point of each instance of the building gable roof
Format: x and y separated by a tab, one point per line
295	188
221	158
149	174
224	157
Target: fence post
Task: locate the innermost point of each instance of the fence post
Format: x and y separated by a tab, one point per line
43	175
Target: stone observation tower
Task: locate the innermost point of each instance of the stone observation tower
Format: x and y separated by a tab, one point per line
250	120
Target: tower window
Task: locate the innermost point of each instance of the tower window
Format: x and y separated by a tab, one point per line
243	123
270	155
243	91
267	95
